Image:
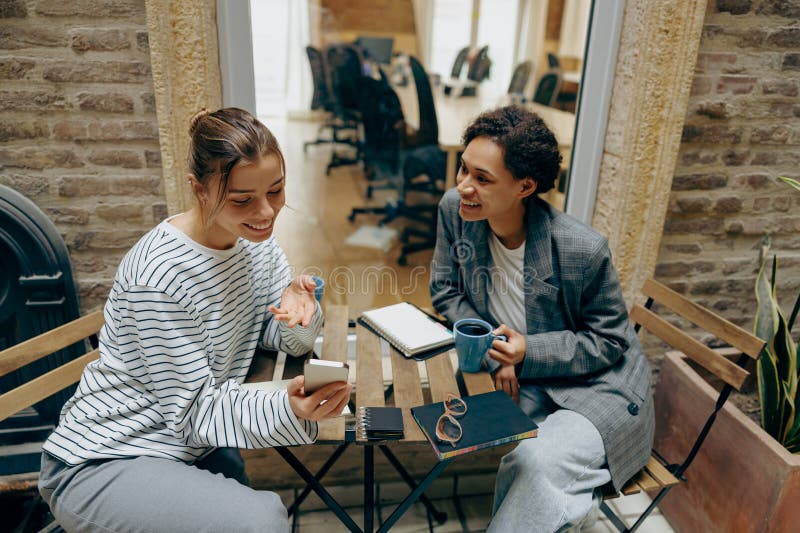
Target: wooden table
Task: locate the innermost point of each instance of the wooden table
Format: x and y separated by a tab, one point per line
454	114
406	391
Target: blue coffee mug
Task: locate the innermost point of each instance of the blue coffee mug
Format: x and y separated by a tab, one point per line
320	288
473	338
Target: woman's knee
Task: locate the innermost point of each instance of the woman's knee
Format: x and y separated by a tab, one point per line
268	514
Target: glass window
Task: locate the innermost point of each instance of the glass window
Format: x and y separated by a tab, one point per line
450	30
497	27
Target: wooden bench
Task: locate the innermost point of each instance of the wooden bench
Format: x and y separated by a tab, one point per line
657	476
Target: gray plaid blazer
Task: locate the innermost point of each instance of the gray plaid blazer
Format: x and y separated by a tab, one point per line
581	347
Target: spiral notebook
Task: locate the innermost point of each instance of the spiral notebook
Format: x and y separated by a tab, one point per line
379	423
409	329
491	419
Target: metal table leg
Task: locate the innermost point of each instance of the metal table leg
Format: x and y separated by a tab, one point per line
439	516
415	494
319	475
332	504
369	488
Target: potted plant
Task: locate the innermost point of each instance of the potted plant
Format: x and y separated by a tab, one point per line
745	477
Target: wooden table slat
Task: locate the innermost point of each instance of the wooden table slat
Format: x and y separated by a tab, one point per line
407	393
331	431
369	369
441	377
334	336
478	382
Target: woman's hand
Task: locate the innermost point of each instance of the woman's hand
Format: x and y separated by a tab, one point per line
297	302
334	395
505	379
508	352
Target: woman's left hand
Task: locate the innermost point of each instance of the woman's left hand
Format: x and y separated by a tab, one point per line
297	302
508	352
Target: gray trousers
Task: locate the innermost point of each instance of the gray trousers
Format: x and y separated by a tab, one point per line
550	483
151	494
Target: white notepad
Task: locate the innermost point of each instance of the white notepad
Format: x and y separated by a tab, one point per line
408	329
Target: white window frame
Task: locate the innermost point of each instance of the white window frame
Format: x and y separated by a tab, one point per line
236	54
599	66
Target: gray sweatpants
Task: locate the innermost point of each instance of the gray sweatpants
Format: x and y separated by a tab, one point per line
151	494
550	483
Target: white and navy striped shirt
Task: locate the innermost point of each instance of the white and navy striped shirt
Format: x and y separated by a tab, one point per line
181	326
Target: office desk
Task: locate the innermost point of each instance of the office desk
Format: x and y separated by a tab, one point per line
407	392
454	114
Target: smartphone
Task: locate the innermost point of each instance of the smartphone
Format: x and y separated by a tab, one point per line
319	372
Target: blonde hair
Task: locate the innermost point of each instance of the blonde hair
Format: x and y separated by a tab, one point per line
222	139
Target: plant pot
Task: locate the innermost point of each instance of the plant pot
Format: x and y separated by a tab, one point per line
741	480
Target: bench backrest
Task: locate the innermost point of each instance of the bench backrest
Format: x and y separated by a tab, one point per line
40	346
711	360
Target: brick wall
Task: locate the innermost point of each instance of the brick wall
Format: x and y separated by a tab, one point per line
78	131
742	130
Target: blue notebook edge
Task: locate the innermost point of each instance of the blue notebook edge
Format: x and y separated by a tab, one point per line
426	416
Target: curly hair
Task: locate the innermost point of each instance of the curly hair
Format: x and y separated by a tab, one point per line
529	147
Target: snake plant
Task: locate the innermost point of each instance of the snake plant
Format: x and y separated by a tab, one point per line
779	363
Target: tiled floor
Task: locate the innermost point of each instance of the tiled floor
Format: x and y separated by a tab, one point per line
474	497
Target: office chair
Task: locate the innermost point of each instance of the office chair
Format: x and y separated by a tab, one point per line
458	63
423	166
547	88
519	79
345	72
323	99
552	60
478	71
428	132
480	66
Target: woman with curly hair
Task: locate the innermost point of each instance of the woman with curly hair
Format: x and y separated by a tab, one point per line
546	281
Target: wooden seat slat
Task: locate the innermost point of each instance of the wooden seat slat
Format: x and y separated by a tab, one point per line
714	324
441	378
407	392
369	369
45	385
294	365
646	482
726	370
660	473
262	367
56	339
334	336
632	486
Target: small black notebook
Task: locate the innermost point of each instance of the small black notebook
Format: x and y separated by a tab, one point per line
379	423
491	419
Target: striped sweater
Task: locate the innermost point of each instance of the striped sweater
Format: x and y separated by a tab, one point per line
181	326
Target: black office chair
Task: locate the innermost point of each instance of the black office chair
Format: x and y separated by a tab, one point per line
478	71
480	66
547	88
345	66
458	63
323	99
428	132
519	79
382	116
552	60
423	166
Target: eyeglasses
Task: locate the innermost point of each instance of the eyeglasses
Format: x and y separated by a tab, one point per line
448	429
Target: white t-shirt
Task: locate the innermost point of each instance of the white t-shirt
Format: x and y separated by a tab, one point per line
507	285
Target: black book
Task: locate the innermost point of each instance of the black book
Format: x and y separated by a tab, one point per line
379	423
491	419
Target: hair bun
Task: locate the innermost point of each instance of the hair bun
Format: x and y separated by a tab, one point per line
196	118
